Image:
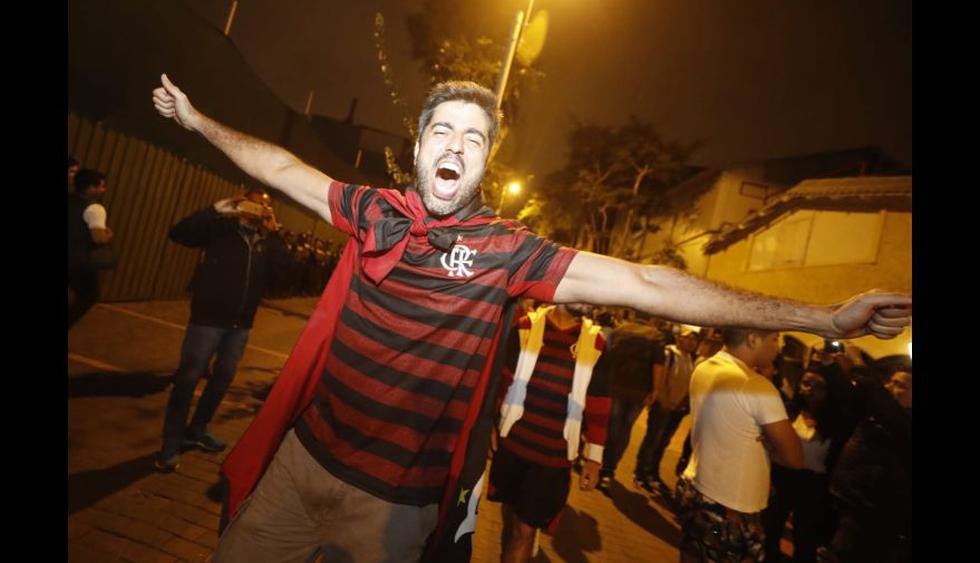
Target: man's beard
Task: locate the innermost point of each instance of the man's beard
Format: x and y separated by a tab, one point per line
465	193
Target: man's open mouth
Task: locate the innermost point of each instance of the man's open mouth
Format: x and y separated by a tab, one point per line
447	177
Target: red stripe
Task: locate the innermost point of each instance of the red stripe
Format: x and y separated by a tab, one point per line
545	421
545	385
400	361
443	337
561	371
448	303
534	456
550	442
389	395
373	465
597	418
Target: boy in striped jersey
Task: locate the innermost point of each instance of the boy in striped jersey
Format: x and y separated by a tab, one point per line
376	429
559	382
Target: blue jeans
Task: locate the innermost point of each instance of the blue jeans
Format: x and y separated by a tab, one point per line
200	343
622	415
661	425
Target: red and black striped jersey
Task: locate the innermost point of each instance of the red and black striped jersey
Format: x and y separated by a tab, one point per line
408	351
538	435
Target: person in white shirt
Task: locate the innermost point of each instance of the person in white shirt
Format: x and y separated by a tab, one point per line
738	424
86	229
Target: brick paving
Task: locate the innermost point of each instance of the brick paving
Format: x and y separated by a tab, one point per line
121	357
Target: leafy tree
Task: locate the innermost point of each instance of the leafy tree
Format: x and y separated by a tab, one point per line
618	178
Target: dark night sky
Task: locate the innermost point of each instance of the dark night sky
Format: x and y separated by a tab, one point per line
755	79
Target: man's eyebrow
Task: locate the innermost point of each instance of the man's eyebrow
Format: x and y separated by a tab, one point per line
449	126
477	131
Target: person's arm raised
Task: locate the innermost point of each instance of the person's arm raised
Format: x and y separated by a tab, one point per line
681	297
270	164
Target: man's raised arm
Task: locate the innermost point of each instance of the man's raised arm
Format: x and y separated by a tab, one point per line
270	164
678	296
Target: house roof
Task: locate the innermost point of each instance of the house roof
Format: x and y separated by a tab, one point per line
856	194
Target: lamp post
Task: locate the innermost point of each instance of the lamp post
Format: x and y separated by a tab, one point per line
515	37
231	17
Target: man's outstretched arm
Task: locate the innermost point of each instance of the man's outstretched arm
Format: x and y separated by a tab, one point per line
270	164
681	297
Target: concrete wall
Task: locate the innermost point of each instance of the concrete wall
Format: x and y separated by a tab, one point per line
825	284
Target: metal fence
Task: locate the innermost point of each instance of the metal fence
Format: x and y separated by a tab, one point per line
150	189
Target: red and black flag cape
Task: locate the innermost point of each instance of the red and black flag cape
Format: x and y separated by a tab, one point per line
297	382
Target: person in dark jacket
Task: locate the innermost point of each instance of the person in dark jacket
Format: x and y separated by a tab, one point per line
242	252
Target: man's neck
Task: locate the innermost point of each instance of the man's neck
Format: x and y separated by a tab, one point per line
743	354
562	318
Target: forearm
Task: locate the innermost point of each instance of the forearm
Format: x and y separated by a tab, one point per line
257	158
791	459
681	297
193	230
270	164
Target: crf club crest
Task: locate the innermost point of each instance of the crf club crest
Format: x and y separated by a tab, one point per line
458	261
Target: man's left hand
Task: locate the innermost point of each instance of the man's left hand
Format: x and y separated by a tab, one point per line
882	314
590	475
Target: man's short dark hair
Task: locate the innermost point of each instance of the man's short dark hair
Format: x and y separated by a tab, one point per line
464	91
72	162
87	178
734	337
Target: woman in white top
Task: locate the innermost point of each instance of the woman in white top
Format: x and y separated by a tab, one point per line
815	412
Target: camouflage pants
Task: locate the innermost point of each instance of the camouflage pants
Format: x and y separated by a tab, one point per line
711	532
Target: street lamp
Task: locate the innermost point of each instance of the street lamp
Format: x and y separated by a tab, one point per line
512	188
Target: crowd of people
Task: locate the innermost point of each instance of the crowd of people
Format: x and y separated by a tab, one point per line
372	444
820	439
310	262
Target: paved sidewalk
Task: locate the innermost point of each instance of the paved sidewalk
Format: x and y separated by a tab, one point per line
121	358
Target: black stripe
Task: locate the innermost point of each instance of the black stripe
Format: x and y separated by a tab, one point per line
551	396
522	254
539	269
362	221
389	376
385	413
453	287
395	453
524	426
537	448
415	496
347	202
420	314
424	350
567	362
386	209
556	379
500	229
